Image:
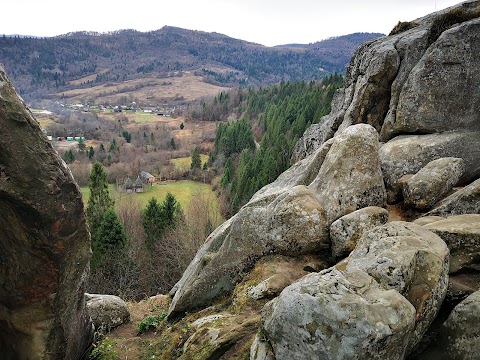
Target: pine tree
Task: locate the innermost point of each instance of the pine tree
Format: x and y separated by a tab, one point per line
196	159
69	157
91	152
81	145
111	239
98	204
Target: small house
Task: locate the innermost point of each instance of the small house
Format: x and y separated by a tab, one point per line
147	177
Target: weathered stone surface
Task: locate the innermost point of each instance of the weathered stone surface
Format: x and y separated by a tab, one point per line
260	350
290	220
459	336
107	311
461	233
432	183
424	220
441	92
270	287
350	177
346	231
410	259
408	154
464	201
338	315
44	243
396	278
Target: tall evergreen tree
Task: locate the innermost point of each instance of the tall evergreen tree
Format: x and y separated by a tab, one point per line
196	159
98	204
111	239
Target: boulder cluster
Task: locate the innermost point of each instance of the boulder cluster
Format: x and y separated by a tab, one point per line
384	191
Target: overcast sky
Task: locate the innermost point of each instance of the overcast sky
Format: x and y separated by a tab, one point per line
268	22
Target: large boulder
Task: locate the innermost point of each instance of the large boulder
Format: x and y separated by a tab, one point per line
44	243
463	201
291	219
375	304
441	92
432	182
338	315
408	154
461	233
107	311
459	337
346	231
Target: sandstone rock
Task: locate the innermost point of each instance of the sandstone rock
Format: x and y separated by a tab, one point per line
408	154
432	182
338	315
269	288
346	231
396	278
350	177
290	220
441	92
461	233
425	220
464	201
44	243
107	311
260	350
410	259
458	338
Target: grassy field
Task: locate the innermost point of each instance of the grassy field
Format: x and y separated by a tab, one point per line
182	190
184	163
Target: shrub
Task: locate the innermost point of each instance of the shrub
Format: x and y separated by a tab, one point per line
104	350
445	21
151	321
403	26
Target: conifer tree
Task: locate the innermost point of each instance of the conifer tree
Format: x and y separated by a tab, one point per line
196	159
111	239
98	204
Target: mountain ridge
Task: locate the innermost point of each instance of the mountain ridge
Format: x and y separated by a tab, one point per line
40	67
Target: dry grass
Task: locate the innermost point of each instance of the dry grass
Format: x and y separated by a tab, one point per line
147	90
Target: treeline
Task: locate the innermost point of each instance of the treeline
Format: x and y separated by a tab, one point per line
277	117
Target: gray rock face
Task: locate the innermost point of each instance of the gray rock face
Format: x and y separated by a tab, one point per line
107	311
287	218
432	183
464	201
458	338
441	92
260	350
44	243
346	231
461	233
408	154
396	279
338	315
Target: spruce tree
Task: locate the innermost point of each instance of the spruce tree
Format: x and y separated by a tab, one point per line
111	239
98	204
196	159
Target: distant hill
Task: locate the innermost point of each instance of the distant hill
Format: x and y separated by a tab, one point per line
44	67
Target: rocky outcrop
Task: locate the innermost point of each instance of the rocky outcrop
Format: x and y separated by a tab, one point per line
107	311
346	231
461	233
464	201
44	243
291	219
432	183
396	278
458	338
409	154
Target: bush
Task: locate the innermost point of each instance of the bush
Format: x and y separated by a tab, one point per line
445	21
403	26
104	350
151	321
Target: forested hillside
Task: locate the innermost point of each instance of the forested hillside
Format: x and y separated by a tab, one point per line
41	67
253	151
